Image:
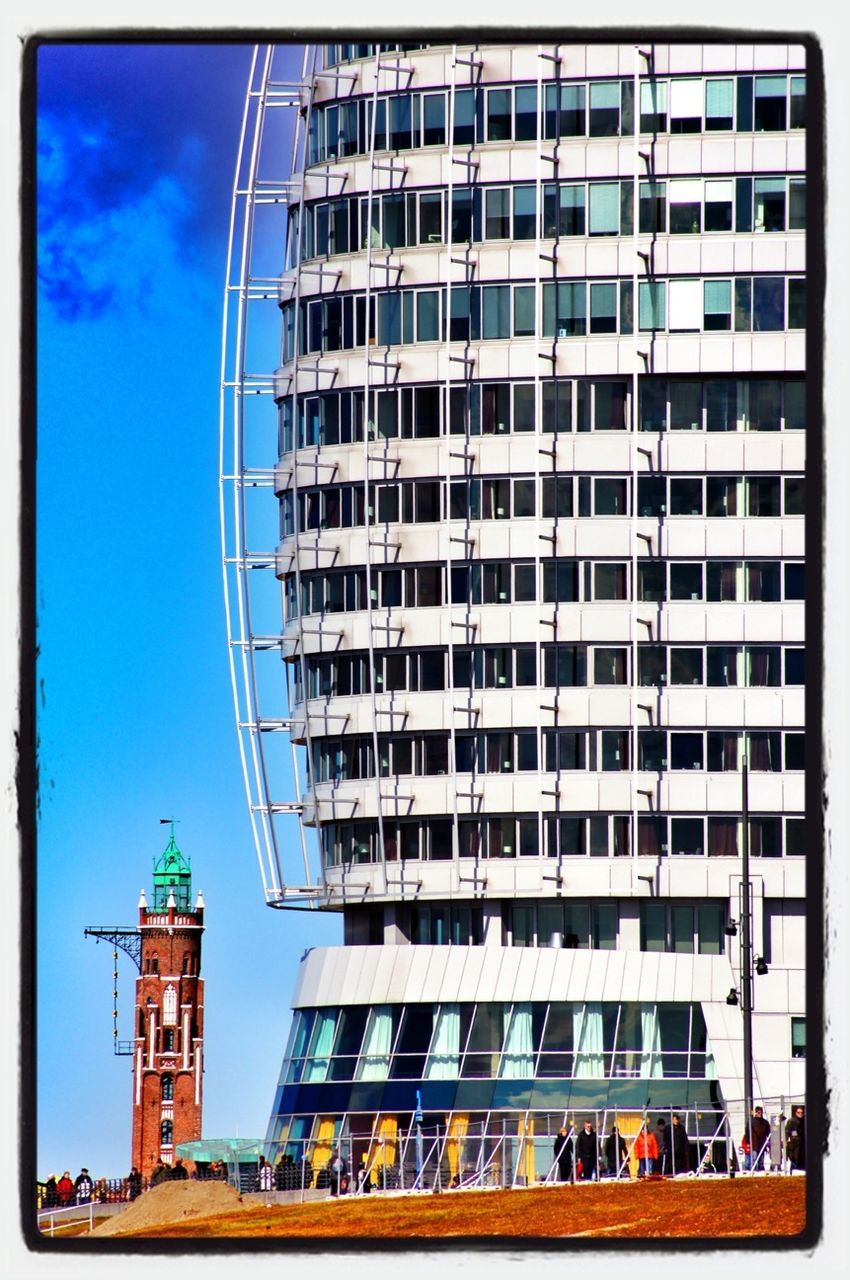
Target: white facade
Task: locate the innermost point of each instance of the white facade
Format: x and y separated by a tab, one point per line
555	504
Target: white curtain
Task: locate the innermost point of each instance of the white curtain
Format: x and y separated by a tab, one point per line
650	1033
316	1067
444	1059
587	1039
375	1062
518	1055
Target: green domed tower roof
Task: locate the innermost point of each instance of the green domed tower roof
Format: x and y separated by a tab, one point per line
171	874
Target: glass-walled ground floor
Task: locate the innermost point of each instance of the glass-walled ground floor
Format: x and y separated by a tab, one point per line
421	1150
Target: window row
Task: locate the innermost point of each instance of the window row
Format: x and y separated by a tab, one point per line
508	1040
352	757
595	109
599	835
576	308
664	926
560	581
563	666
678	206
563	404
564	495
346	52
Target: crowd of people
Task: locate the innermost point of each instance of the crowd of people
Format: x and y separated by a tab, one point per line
666	1150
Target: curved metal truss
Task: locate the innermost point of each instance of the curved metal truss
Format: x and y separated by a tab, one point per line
247	572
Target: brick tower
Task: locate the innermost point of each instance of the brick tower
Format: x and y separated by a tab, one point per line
169	1015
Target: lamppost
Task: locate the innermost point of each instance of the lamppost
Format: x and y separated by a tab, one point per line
748	965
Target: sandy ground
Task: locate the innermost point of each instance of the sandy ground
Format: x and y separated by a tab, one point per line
173	1202
686	1208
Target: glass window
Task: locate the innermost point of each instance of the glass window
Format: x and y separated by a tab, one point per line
686	99
604	109
525	113
653	926
565	113
498	115
603	308
719	108
711	922
604	217
497	218
798	1037
609	666
524	322
796	304
653	106
718	204
798	103
686	751
686	496
685	666
434	119
769	107
564	309
496	311
652	207
525	212
769	204
717	313
651	298
685	206
687	836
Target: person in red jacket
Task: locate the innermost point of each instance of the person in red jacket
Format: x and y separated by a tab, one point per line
646	1150
65	1189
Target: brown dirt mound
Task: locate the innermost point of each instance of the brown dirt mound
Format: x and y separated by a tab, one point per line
173	1202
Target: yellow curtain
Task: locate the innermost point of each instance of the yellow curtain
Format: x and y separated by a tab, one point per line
384	1153
458	1126
525	1165
629	1126
323	1144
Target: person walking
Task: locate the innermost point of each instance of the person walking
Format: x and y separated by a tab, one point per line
564	1155
661	1143
265	1175
83	1187
756	1141
795	1139
337	1169
615	1151
678	1153
586	1153
134	1184
646	1150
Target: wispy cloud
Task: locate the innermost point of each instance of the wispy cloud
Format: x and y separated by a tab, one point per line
112	229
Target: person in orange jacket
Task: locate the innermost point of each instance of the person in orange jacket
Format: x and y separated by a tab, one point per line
646	1150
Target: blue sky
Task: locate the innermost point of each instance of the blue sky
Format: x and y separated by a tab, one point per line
136	152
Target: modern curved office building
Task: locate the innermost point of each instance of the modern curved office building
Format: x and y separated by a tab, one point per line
540	475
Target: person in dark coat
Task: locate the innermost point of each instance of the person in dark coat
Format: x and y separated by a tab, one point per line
564	1155
134	1184
159	1174
83	1187
615	1150
337	1169
759	1134
364	1177
678	1148
179	1171
795	1139
663	1163
586	1152
51	1195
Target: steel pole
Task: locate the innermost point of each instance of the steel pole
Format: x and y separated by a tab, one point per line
747	954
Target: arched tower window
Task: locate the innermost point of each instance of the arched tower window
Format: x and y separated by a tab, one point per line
168	1088
185	962
154	964
141	1022
166	1130
169	1006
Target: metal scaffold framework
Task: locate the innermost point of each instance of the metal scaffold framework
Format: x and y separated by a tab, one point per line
243	567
